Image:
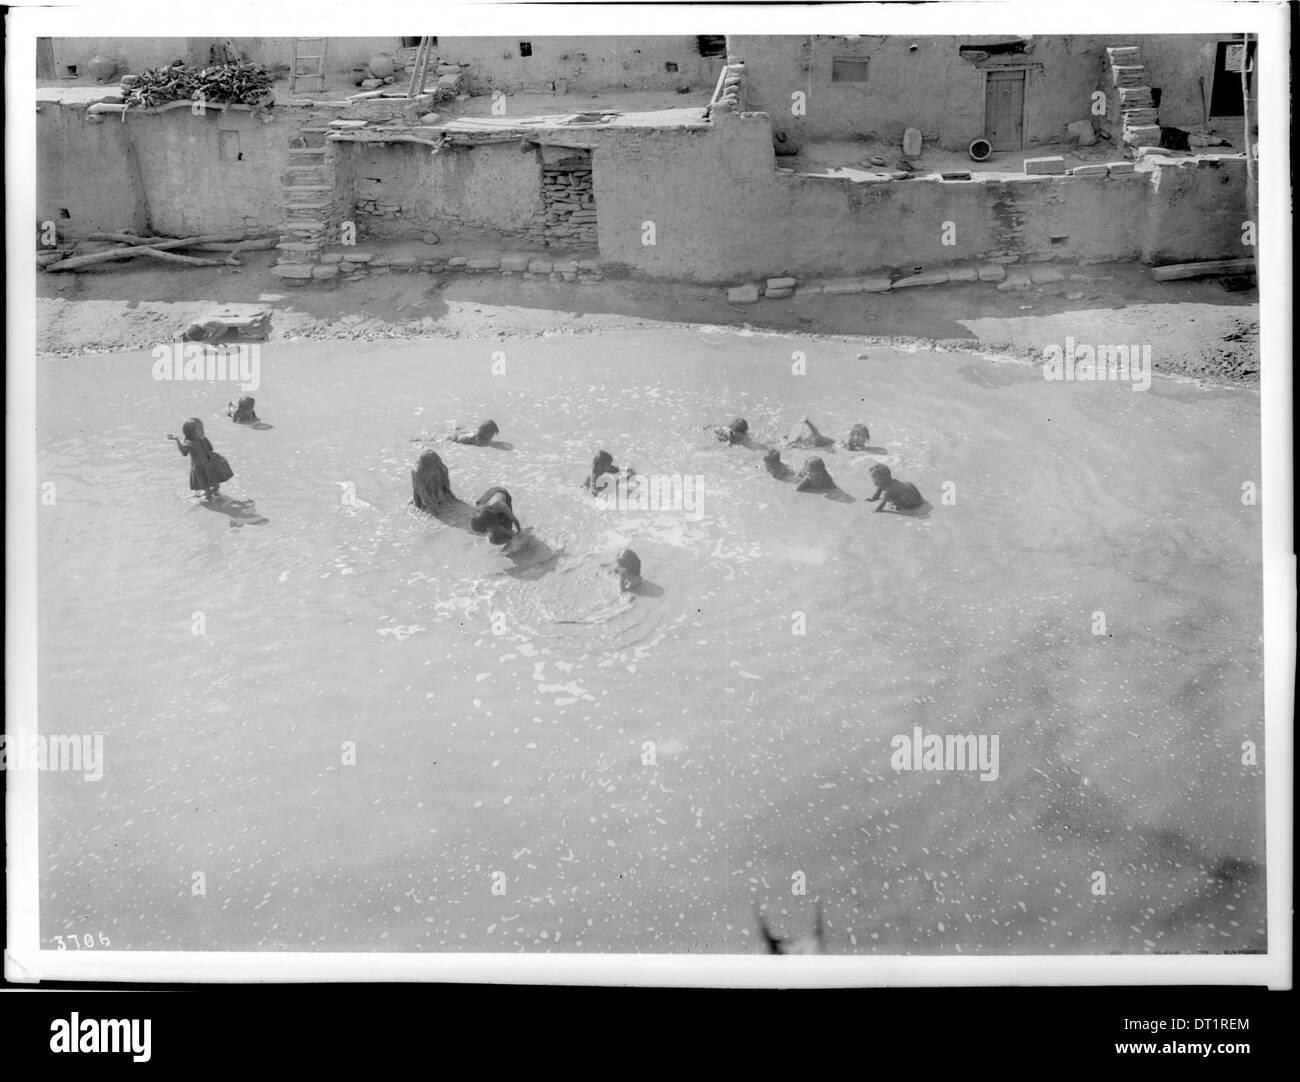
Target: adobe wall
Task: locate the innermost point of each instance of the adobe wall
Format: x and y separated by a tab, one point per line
718	209
722	213
171	173
403	189
1196	210
935	89
86	177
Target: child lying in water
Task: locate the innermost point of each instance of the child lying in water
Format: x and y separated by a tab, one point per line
480	437
902	494
736	432
806	435
859	438
814	477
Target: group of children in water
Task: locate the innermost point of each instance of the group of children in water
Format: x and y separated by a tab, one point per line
493	512
814	477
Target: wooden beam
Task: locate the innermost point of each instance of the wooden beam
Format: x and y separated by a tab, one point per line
1201	270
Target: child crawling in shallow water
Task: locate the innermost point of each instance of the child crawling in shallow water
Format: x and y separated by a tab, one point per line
207	468
601	465
773	464
494	515
736	432
902	494
814	477
243	413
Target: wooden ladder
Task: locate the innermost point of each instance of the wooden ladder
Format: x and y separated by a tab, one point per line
305	52
420	70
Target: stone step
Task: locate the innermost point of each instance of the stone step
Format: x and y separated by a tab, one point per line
308	150
1124	54
305	206
1128	74
296	189
1136	118
1148	136
1134	97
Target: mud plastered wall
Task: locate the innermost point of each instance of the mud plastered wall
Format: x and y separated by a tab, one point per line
721	213
933	88
86	180
1196	211
402	189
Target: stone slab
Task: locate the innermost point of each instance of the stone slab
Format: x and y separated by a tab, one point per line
1039	166
992	272
746	294
929	278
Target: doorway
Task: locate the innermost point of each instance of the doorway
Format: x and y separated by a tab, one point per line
1004	108
1225	90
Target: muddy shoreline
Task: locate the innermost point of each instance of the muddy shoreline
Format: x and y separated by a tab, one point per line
1197	329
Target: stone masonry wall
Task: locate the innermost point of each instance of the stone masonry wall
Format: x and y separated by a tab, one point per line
569	206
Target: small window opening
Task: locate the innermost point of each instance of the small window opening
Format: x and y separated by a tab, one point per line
711	44
525	48
849	69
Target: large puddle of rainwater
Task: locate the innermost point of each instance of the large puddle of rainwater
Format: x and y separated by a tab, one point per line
333	723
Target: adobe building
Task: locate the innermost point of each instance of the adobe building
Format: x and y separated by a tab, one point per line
692	158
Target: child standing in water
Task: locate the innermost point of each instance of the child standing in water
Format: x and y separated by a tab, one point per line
207	468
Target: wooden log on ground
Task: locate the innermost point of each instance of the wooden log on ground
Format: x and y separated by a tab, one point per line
256	244
163	243
77	262
188	260
1201	270
142	246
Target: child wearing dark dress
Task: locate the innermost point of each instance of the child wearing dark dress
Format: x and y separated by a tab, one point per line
207	468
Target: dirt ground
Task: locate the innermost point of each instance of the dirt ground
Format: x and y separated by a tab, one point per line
1195	328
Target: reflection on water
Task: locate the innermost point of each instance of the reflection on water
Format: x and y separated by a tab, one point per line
344	728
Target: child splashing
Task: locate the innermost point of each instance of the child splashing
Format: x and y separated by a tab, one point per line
207	468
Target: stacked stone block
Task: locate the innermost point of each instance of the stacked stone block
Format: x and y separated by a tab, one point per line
307	188
1128	79
568	207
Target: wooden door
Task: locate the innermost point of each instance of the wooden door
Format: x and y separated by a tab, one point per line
1004	109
